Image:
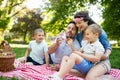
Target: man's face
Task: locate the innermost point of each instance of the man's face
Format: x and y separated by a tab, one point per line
71	31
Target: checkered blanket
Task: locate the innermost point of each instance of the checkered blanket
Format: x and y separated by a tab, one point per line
42	73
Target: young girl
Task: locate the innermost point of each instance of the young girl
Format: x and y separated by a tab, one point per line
37	49
83	60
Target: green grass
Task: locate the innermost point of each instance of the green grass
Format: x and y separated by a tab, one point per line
114	57
20	52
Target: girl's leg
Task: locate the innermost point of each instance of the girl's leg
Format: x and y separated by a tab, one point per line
68	63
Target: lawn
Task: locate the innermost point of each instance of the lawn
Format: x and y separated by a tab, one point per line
114	57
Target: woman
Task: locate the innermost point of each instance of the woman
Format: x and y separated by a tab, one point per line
83	20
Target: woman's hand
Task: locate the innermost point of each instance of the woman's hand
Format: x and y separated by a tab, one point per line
104	56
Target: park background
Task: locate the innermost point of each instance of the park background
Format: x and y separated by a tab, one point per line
19	18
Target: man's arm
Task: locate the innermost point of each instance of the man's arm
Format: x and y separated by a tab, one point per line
53	47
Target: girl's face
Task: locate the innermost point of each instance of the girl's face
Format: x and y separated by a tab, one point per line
81	24
39	36
90	36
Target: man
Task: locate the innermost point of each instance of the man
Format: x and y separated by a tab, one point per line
61	47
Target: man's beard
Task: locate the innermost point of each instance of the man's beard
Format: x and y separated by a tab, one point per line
70	37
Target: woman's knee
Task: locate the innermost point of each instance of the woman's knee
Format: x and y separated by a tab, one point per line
95	72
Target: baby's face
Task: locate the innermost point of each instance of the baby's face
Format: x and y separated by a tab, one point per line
39	36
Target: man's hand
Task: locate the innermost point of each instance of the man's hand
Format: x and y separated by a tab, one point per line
54	68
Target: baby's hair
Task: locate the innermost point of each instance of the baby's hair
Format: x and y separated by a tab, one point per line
95	28
38	30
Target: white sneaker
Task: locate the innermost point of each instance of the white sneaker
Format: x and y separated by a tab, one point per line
55	77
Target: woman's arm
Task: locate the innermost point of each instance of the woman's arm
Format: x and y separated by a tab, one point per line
106	54
105	42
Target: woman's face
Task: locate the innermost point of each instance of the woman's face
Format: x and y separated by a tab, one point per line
81	24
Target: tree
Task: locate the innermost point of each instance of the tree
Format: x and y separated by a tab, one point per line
111	15
63	11
6	13
27	21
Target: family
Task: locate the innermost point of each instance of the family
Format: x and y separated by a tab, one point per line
85	53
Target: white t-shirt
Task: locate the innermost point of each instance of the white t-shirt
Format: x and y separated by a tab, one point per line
63	50
90	49
38	51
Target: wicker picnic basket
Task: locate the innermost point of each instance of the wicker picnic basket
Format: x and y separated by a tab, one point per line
7	57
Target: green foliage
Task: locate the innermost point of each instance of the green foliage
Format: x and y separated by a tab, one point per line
62	12
6	12
111	15
26	24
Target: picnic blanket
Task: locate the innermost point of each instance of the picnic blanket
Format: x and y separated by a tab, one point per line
32	72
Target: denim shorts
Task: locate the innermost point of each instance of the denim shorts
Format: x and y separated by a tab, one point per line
84	66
